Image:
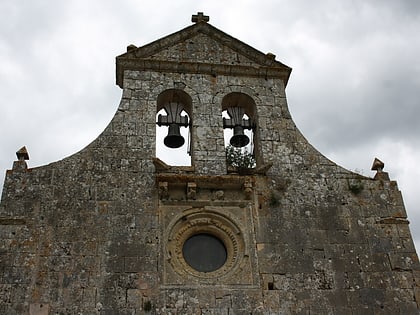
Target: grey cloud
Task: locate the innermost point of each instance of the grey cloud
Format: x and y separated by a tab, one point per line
355	81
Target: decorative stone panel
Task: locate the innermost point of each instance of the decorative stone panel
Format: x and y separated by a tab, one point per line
230	224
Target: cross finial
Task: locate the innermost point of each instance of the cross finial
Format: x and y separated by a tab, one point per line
200	17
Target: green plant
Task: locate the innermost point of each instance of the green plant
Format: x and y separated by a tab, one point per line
356	186
239	158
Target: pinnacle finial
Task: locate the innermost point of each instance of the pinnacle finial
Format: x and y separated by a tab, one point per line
200	17
377	165
22	154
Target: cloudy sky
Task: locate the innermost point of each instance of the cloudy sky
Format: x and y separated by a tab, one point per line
354	91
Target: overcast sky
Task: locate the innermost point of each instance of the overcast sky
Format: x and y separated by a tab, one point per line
354	90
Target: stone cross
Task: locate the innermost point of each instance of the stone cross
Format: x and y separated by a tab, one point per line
200	17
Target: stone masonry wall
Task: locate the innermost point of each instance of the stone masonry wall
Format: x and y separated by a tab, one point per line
89	234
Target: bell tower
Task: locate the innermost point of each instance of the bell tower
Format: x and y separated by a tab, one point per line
256	222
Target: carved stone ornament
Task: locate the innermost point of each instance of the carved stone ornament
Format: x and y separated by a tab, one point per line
202	221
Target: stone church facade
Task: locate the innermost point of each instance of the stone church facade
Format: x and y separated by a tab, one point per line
113	229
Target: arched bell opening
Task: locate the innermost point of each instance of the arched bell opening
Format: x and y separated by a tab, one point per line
239	122
173	132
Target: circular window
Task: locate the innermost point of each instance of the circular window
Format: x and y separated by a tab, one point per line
204	252
204	244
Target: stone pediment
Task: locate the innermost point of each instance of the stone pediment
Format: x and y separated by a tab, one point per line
201	48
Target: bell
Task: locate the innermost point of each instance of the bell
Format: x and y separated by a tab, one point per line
239	139
174	139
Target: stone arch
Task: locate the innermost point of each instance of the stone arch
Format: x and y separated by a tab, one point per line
173	110
247	99
242	100
170	95
239	89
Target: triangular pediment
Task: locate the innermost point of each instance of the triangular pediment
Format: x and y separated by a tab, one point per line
201	48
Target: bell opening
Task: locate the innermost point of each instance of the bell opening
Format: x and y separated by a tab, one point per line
169	148
239	126
238	137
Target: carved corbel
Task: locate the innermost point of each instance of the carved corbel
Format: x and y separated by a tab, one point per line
191	190
163	190
248	189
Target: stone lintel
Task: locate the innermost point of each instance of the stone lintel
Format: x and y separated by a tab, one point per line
203	181
196	189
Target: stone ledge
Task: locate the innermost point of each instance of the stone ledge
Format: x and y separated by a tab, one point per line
196	67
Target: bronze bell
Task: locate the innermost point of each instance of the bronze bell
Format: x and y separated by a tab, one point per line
239	139
174	139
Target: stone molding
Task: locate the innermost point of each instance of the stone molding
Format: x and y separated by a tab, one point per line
200	220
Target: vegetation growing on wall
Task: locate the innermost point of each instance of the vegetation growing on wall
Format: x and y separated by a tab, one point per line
236	157
356	186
